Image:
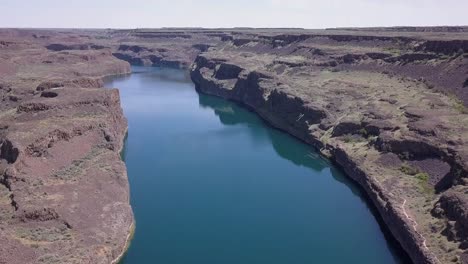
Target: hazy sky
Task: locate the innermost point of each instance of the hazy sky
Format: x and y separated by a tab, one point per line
240	13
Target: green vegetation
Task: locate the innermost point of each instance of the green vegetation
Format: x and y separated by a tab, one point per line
44	234
393	50
424	185
50	259
350	138
422	176
70	172
76	167
458	105
408	169
363	132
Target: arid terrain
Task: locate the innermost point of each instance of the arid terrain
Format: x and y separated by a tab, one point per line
389	105
64	195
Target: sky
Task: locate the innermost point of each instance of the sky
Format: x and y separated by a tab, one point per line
232	13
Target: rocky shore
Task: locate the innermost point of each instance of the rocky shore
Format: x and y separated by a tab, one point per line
387	105
402	139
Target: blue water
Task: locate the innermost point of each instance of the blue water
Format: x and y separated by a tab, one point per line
213	184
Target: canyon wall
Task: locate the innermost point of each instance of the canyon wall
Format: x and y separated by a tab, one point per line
394	121
64	194
387	105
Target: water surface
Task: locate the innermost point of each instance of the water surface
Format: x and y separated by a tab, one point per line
212	184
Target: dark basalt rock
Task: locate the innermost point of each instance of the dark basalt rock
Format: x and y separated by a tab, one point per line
133	48
454	206
164	35
350	38
375	127
175	64
449	47
227	38
46	214
437	170
13	98
49	94
62	47
344	128
377	55
351	58
155	59
8	151
227	71
411	57
129	58
202	47
411	148
241	42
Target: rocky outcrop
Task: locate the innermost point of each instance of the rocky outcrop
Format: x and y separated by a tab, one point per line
387	105
284	111
453	206
8	152
316	117
61	47
64	194
449	47
393	214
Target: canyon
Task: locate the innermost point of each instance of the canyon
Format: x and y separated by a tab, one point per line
388	105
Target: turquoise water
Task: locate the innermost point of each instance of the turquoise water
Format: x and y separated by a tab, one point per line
212	184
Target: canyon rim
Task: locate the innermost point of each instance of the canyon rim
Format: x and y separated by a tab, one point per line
388	105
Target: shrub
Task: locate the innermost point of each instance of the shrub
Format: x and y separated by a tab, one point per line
349	138
408	169
422	176
458	105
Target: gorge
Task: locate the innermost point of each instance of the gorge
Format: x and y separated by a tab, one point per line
217	185
387	105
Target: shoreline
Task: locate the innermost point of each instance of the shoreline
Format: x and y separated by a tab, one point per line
368	193
121	152
128	242
373	207
411	241
364	194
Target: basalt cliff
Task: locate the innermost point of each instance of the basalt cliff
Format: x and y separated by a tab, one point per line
386	104
64	195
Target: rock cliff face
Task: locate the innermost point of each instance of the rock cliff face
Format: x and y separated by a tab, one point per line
387	105
393	134
64	195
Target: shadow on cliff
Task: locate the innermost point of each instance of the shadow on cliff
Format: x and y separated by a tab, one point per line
285	146
229	113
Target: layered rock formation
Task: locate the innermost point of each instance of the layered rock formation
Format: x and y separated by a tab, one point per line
389	110
64	195
387	105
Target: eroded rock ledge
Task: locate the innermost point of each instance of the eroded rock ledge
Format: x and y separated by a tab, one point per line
388	105
398	137
64	194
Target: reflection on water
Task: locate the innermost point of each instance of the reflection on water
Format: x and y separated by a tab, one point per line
288	148
211	183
